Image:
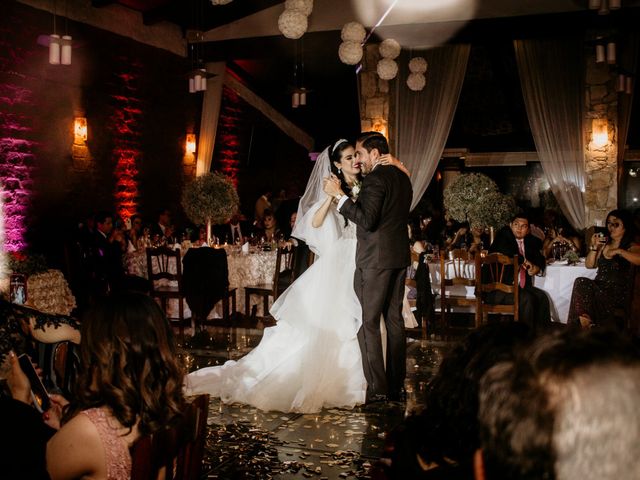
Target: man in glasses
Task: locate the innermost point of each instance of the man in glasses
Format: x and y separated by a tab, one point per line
516	239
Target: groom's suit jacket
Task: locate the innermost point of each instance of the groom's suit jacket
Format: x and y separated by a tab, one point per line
381	213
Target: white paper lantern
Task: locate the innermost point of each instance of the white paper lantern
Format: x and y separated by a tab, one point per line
220	2
387	69
417	65
416	81
350	53
389	48
303	6
293	24
65	50
54	49
353	32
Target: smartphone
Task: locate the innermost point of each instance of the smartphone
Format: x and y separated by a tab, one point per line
38	392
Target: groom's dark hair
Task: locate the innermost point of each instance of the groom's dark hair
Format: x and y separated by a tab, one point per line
371	140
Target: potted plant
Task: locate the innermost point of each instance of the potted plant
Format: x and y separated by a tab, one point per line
210	199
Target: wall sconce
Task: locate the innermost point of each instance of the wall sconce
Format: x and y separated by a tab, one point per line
80	130
190	146
599	134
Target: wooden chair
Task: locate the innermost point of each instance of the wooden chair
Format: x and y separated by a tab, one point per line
159	267
492	271
283	276
175	453
460	277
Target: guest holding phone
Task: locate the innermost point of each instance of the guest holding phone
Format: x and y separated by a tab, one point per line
593	302
130	385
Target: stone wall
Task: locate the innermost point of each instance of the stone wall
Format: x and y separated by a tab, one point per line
375	98
600	162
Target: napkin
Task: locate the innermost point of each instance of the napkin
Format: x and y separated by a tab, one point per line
245	247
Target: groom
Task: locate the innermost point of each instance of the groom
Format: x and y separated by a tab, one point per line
381	213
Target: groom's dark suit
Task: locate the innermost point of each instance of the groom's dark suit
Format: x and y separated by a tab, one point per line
381	213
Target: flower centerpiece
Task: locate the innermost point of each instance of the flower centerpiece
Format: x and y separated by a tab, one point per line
571	257
475	198
210	199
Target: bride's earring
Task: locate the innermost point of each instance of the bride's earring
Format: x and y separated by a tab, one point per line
339	171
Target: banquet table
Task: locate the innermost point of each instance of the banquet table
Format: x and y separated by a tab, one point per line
253	268
557	282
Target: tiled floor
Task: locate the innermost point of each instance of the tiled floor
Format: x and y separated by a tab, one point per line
244	442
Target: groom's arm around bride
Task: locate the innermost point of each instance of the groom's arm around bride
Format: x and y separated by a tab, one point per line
381	213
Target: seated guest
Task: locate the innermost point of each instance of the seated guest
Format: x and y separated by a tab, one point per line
130	385
479	240
162	229
270	232
594	302
134	235
462	238
565	408
533	303
234	231
440	441
25	435
559	236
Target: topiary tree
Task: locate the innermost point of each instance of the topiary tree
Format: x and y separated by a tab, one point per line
210	199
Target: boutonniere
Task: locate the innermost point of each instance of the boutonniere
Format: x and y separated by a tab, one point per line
355	189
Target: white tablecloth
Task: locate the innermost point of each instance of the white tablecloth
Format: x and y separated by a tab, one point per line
254	268
557	282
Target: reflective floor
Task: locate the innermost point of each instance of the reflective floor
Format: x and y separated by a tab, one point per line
244	442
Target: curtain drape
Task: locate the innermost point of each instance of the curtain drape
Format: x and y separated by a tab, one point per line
211	102
423	119
629	62
551	74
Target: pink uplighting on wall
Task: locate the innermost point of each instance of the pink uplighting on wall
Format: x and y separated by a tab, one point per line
227	154
124	125
16	163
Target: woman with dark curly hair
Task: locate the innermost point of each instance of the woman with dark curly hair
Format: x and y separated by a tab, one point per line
593	302
130	385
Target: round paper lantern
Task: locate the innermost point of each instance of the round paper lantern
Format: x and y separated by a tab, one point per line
389	48
353	32
293	24
416	81
418	65
303	6
387	69
350	53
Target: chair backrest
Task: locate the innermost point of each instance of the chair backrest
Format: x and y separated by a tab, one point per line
495	272
284	274
160	264
175	453
459	273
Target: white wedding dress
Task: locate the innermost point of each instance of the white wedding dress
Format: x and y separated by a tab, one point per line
311	359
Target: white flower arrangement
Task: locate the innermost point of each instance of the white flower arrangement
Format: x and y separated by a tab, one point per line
418	65
303	6
353	32
355	189
416	81
350	52
293	24
475	198
220	2
387	69
389	48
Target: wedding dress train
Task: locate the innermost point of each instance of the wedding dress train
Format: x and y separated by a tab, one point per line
311	358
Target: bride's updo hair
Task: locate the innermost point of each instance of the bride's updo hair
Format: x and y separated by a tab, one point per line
335	154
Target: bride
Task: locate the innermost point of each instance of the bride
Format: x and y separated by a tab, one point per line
310	359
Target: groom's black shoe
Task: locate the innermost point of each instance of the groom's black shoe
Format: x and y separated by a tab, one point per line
377	398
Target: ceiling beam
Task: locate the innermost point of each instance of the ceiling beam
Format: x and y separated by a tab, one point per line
101	3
